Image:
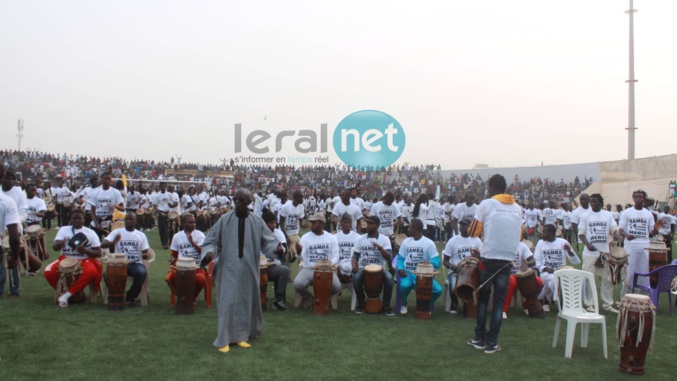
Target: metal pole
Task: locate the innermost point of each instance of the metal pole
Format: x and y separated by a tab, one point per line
631	88
20	128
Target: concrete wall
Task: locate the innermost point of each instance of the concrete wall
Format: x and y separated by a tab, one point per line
567	172
658	167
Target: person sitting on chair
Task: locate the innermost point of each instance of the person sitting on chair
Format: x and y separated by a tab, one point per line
187	244
550	254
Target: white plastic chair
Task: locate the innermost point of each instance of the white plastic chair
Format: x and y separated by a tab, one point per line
569	285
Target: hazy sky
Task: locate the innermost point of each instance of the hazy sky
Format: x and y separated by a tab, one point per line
506	83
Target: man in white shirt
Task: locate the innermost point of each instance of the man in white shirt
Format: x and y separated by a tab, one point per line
347	239
291	217
388	213
278	267
500	219
576	215
637	226
550	254
163	201
187	244
667	229
315	245
466	210
344	207
104	202
532	216
10	221
458	248
134	243
595	229
415	250
372	248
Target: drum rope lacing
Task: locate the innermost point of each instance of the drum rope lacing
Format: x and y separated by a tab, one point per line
622	324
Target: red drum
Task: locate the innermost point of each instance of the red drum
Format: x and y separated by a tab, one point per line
185	286
263	283
470	310
69	272
116	280
635	330
658	257
373	285
468	279
528	286
322	279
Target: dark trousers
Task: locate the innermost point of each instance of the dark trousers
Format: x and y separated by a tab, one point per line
163	227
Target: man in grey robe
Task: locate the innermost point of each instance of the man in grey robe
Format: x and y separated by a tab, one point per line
236	241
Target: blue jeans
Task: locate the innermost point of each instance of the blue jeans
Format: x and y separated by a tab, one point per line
138	272
14	281
358	286
500	284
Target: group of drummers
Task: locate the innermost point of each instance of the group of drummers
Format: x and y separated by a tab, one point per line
367	250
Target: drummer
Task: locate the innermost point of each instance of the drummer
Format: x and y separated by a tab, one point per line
523	259
347	239
36	206
187	244
457	248
315	245
552	253
134	243
595	229
278	267
372	248
86	254
416	250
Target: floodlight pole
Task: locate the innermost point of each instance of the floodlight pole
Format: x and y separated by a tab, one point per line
631	88
20	128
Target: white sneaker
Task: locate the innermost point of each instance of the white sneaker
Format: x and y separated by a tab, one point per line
546	307
403	310
611	309
590	309
505	316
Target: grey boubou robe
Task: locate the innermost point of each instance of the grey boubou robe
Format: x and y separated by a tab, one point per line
237	279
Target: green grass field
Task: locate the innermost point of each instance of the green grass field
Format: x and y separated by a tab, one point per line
39	341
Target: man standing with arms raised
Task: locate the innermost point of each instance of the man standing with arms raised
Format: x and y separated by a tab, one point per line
499	218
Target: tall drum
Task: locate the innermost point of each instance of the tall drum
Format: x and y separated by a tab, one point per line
69	272
468	279
322	279
185	286
658	257
635	330
528	286
116	280
373	285
424	290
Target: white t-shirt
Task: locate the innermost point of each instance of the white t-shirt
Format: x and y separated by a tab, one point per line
523	253
359	202
637	223
293	215
346	244
532	216
35	205
549	216
388	215
667	221
103	199
185	249
598	229
462	211
552	254
502	225
368	253
86	193
415	252
9	214
459	247
67	232
566	219
133	200
355	212
162	200
19	198
131	243
316	247
578	213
